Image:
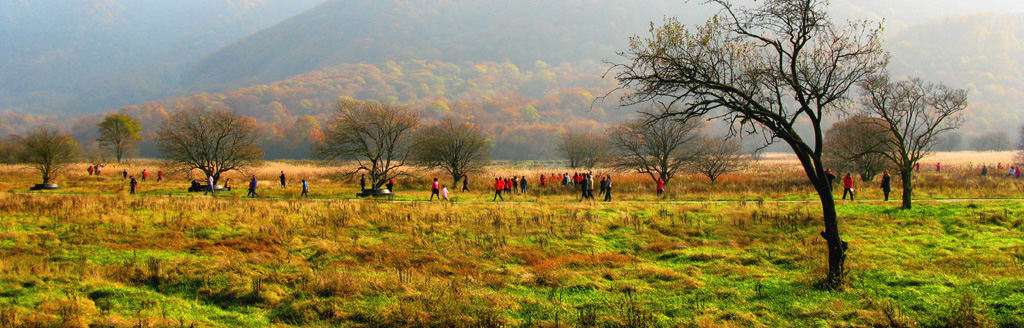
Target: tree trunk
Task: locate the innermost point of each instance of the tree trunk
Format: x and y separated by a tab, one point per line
907	174
836	246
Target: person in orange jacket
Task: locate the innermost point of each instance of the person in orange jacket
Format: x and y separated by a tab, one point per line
847	186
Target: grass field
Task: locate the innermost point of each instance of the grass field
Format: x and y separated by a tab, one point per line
745	253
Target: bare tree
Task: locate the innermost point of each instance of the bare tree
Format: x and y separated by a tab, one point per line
991	141
658	148
49	152
768	68
119	133
857	144
457	147
916	114
717	157
377	136
583	150
210	140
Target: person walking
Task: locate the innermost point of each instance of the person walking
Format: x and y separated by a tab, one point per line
97	170
209	186
391	186
831	179
583	188
444	193
848	186
89	169
282	180
252	187
133	184
435	189
938	167
144	175
515	184
305	189
522	184
886	184
604	185
124	174
362	183
543	181
660	186
159	176
499	186
607	188
984	170
465	182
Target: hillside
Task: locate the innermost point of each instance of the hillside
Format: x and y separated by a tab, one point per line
983	53
115	52
349	31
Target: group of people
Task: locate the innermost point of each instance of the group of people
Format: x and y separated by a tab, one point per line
508	186
848	184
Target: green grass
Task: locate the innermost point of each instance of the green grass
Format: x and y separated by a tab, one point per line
116	260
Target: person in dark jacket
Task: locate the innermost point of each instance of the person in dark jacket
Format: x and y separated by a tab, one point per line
362	182
391	186
465	182
607	188
133	184
830	178
886	184
282	179
252	187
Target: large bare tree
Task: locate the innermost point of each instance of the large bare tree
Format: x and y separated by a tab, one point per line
582	149
119	133
456	147
377	136
858	144
717	157
652	146
49	152
770	69
210	140
916	114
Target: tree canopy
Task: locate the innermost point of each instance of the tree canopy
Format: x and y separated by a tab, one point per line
375	135
213	141
119	133
49	152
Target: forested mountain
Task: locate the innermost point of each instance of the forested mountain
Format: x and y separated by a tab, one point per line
356	31
983	53
87	55
524	70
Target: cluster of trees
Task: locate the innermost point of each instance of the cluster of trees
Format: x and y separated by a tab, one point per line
525	108
656	147
780	65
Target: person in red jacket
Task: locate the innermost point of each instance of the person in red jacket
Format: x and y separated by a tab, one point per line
435	190
660	187
499	186
847	186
